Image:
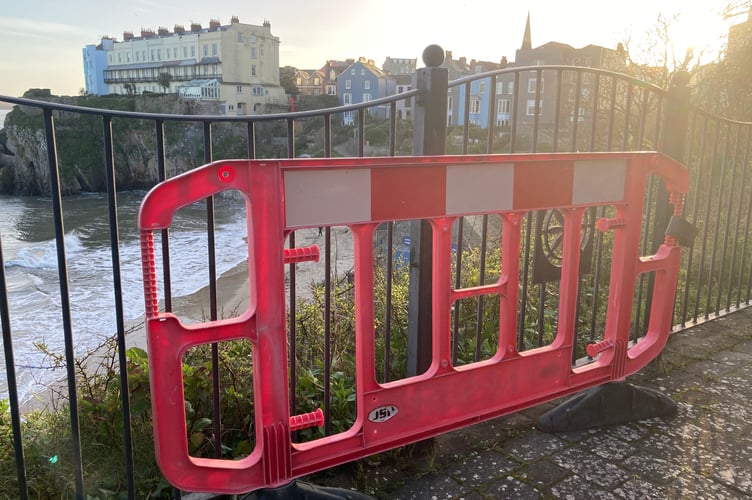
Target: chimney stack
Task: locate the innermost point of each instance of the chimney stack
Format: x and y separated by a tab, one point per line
214	24
195	26
162	31
179	28
127	36
234	20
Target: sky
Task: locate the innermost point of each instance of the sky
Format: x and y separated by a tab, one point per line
41	40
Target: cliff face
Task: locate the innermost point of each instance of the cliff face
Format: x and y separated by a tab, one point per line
79	141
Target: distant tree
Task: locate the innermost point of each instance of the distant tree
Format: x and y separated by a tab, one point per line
287	80
130	88
164	81
655	58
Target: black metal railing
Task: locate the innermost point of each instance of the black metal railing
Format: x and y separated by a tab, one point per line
565	109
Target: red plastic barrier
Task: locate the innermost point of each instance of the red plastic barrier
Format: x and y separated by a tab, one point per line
285	195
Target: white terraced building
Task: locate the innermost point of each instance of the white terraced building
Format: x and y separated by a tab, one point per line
236	64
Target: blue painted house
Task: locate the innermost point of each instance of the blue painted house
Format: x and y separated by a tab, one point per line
95	62
361	82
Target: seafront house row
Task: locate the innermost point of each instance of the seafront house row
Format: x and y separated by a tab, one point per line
237	66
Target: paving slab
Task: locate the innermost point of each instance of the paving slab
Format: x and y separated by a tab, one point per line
703	451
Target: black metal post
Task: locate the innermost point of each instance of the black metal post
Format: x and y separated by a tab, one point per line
429	138
675	125
674	132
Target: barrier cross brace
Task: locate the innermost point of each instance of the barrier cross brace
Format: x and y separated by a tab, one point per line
361	193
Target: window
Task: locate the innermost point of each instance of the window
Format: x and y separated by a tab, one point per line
152	54
531	108
331	90
316	80
352	72
137	54
120	58
159	54
253	52
214	49
298	81
362	72
193	51
206	50
510	89
475	105
253	38
348	84
499	87
332	75
481	87
532	84
185	52
239	89
253	70
366	97
240	36
347	99
450	103
502	106
367	84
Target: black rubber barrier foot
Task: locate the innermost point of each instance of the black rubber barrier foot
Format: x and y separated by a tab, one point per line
299	490
608	404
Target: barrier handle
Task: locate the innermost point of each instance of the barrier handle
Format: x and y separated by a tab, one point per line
166	198
595	349
302	254
305	420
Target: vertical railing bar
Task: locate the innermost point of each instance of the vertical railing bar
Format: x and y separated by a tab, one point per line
537	110
10	373
612	114
557	110
361	132
388	305
703	247
327	328
515	111
466	119
293	323
747	219
392	128
695	189
576	112
251	139
713	157
481	282
594	103
722	264
291	138
627	113
525	278
717	225
457	285
328	135
211	251
165	238
597	276
109	158
732	261
541	312
491	115
643	118
70	362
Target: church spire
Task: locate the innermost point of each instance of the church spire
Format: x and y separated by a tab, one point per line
526	40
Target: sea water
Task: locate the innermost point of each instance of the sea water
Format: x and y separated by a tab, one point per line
33	280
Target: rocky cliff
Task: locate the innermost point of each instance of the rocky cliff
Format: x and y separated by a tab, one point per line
80	144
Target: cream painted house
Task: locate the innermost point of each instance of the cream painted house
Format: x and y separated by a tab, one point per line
236	64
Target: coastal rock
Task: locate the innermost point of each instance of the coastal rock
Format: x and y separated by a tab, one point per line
24	165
